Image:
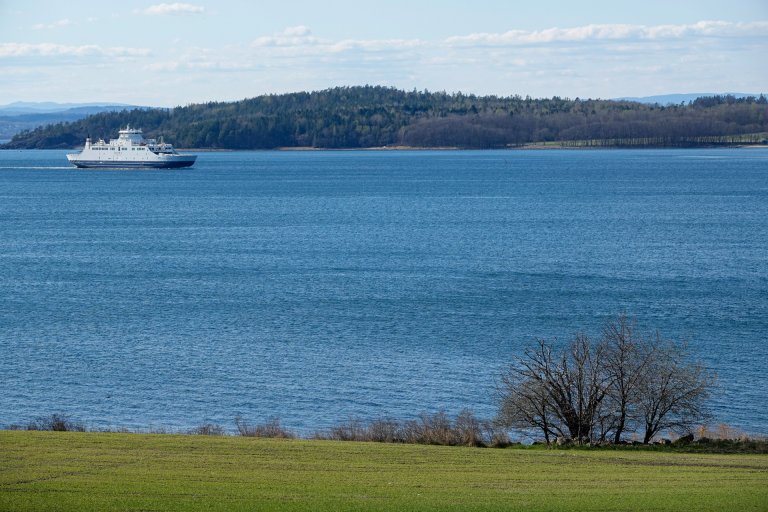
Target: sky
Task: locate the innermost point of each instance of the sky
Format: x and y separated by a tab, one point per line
176	53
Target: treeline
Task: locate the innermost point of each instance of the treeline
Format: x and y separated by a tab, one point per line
373	116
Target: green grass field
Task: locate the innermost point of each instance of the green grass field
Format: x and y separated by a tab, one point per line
104	471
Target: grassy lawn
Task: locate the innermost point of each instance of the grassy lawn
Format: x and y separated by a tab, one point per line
104	471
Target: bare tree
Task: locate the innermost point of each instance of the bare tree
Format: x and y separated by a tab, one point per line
628	360
675	392
525	404
585	383
589	390
559	394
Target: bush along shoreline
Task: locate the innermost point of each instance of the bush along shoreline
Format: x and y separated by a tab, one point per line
429	429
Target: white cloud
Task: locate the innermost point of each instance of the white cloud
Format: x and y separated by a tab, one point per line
586	61
565	61
300	42
163	66
291	36
61	50
612	32
175	8
375	45
298	46
55	24
301	37
298	31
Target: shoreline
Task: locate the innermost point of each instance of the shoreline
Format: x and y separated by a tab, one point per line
529	147
533	147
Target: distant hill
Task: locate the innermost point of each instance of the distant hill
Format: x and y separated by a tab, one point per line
48	107
19	116
368	116
676	99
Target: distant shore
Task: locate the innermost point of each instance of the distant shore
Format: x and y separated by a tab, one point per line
533	146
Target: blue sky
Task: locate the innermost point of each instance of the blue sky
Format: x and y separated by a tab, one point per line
176	53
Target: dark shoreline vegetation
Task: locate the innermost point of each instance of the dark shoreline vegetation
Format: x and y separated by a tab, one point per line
436	429
380	117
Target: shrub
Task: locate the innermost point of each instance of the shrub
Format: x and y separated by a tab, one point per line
271	428
384	431
208	429
437	428
55	422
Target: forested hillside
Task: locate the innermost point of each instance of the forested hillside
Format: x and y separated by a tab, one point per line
368	116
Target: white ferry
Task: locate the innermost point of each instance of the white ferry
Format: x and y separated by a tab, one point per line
130	150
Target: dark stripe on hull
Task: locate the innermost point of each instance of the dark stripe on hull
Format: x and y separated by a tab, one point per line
95	164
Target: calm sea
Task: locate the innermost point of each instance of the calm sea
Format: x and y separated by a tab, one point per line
319	286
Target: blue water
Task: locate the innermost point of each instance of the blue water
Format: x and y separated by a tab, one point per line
323	285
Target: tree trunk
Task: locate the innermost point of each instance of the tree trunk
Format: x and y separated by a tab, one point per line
619	431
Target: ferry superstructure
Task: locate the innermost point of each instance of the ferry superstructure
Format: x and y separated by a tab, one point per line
130	150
